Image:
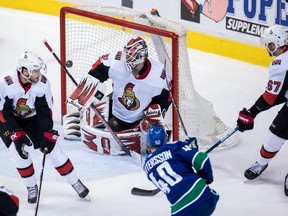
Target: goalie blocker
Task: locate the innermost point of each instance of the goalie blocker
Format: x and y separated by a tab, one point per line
84	125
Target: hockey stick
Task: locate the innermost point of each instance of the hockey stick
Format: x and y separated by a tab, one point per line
222	140
41	179
143	192
59	61
133	154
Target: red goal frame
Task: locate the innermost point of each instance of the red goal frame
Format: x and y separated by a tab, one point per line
123	23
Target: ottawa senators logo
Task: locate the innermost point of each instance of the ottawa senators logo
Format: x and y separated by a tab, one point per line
129	99
22	109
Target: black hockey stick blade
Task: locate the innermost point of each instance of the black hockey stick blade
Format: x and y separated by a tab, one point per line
143	192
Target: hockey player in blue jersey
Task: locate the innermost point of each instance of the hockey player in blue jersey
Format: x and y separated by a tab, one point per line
182	173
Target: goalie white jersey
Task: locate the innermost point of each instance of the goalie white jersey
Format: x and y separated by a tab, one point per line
133	93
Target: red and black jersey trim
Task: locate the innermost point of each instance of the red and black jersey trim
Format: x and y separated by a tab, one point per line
65	168
266	154
27	171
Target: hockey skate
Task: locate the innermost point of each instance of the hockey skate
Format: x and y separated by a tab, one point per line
286	185
255	170
81	189
32	194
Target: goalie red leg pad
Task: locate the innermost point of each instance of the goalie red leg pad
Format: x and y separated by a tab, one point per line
131	139
71	125
92	119
106	146
102	141
88	140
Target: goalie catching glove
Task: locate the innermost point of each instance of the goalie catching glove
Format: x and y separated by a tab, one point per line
20	139
49	140
89	90
152	116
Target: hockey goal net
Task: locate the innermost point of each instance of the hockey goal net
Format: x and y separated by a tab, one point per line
88	32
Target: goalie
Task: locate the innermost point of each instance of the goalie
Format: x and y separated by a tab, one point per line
140	98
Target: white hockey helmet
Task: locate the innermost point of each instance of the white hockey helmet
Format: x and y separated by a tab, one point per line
136	53
275	34
31	62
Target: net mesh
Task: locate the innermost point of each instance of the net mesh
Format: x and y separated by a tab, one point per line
87	38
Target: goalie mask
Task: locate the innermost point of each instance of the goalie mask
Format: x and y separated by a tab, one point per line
136	53
274	37
31	62
156	136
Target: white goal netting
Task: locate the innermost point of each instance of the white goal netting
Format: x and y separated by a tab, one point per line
88	32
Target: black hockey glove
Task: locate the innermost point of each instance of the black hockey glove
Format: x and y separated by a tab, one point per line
20	139
49	140
245	120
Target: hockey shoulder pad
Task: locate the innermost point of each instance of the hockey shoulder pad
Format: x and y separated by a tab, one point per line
152	116
101	141
89	90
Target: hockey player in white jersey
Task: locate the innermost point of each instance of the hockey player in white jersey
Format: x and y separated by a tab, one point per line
140	93
26	122
275	39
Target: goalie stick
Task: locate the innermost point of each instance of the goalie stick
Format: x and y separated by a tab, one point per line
143	192
133	154
164	56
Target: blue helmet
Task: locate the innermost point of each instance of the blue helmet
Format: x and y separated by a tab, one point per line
156	136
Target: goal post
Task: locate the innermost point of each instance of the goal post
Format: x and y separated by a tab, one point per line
87	32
